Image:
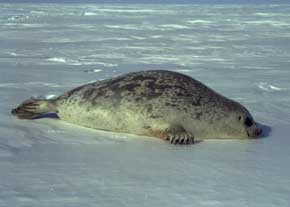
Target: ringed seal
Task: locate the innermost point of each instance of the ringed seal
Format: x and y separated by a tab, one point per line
158	103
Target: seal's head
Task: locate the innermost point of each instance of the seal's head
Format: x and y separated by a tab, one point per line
248	127
253	131
238	123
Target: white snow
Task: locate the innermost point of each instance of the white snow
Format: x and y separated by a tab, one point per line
57	59
174	26
269	87
199	21
90	14
241	51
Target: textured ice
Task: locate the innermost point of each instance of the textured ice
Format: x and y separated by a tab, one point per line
242	51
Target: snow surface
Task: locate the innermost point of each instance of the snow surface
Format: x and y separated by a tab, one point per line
242	51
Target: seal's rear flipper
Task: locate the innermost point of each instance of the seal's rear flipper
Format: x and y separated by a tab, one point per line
33	108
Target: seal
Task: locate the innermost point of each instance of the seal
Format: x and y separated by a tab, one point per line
158	103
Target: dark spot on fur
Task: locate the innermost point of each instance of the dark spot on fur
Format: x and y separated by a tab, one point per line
149	108
146	127
196	101
171	104
88	93
153	95
130	87
198	115
156	116
153	86
143	78
138	99
179	94
99	93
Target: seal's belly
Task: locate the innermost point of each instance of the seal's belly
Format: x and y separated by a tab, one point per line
109	118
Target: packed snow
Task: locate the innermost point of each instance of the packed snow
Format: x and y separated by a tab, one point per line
241	51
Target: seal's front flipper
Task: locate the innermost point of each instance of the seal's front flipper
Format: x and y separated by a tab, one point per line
32	108
178	135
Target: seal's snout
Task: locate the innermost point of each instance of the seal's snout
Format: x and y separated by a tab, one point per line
255	133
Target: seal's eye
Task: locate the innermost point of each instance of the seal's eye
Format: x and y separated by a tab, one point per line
248	122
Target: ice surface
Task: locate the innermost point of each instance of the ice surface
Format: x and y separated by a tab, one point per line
242	51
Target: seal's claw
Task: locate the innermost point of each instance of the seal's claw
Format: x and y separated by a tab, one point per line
181	141
180	137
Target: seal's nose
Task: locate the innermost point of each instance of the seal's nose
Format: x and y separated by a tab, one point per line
258	132
254	132
14	111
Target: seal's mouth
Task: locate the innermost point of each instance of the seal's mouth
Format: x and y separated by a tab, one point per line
254	132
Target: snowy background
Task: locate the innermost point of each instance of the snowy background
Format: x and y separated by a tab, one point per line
242	51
